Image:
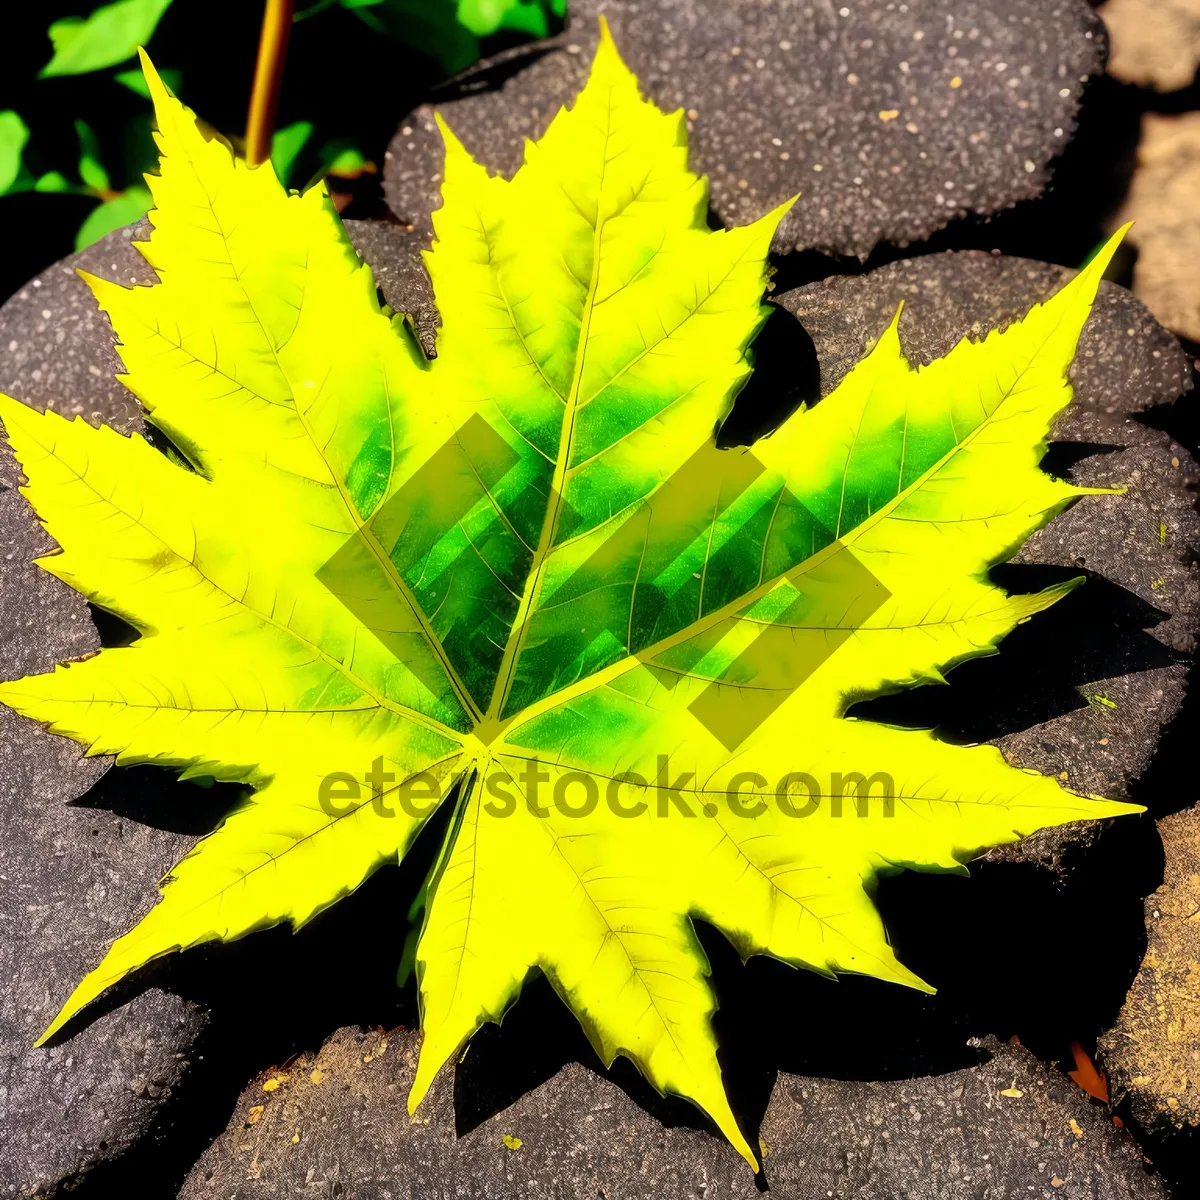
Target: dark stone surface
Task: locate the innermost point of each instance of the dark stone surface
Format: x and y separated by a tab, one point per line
56	344
1109	659
1010	1127
787	97
336	1124
400	275
71	878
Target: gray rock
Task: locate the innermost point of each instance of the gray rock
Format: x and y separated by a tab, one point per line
56	346
336	1124
394	255
71	878
1132	682
1007	1128
853	106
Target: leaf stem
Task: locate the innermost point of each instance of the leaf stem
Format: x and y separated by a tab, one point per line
268	79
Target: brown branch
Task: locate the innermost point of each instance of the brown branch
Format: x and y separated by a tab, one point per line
268	79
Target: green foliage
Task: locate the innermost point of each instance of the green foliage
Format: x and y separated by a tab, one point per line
109	36
91	171
135	81
485	17
286	146
527	562
15	176
448	31
123	209
14	133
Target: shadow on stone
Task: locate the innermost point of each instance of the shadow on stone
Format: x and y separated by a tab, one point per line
489	75
1097	632
786	375
153	796
270	996
1012	951
539	1036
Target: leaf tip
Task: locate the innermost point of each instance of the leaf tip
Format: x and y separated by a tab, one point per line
900	974
453	143
776	215
158	89
608	58
1117	808
1093	270
65	1014
742	1146
418	1091
606	37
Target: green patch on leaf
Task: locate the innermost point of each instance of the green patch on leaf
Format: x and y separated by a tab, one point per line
522	579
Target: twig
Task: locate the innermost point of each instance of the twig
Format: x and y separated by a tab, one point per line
268	79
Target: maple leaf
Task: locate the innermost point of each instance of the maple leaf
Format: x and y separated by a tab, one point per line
524	576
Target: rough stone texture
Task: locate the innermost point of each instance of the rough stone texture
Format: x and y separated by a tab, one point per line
71	879
889	118
1009	1128
1152	1054
1162	202
1143	541
1154	43
56	345
394	255
336	1124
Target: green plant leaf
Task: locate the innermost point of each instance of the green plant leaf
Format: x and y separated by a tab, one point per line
135	81
340	157
485	17
124	209
91	171
522	575
54	183
286	146
432	28
449	30
14	133
110	35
